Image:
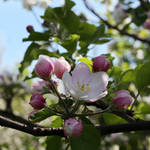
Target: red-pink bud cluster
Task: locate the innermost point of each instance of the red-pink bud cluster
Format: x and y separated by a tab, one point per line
37	101
72	127
101	63
122	99
45	67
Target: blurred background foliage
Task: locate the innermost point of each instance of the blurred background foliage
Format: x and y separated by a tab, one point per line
120	29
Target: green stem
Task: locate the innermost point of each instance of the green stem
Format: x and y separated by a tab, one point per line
91	114
76	106
56	92
134	101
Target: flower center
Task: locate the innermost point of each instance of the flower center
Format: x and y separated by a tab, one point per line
83	86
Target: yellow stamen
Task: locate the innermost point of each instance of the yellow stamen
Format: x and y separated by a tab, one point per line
83	87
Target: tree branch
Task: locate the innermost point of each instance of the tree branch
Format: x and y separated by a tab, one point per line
30	129
103	106
14	117
104	129
115	27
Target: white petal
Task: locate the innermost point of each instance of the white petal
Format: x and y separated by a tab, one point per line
99	81
67	80
81	74
92	97
62	89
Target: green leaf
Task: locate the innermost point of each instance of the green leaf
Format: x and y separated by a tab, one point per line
143	76
86	31
70	43
89	139
69	4
128	76
37	36
53	143
116	72
143	108
33	53
102	41
57	122
60	15
41	115
110	118
85	120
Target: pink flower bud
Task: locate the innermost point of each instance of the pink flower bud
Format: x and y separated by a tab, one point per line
147	24
101	63
61	65
32	113
37	101
72	128
44	67
122	99
30	28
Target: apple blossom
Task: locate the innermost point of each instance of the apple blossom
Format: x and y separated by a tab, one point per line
85	85
37	101
44	67
61	65
122	99
101	63
72	127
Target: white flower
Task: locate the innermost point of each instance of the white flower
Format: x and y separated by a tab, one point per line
84	85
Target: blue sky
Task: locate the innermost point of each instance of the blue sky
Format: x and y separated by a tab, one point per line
14	20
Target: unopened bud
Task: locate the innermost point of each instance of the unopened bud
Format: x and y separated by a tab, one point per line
30	28
37	101
101	63
122	99
61	65
72	127
44	67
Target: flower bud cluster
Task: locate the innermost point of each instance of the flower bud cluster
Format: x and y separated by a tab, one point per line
45	67
93	88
